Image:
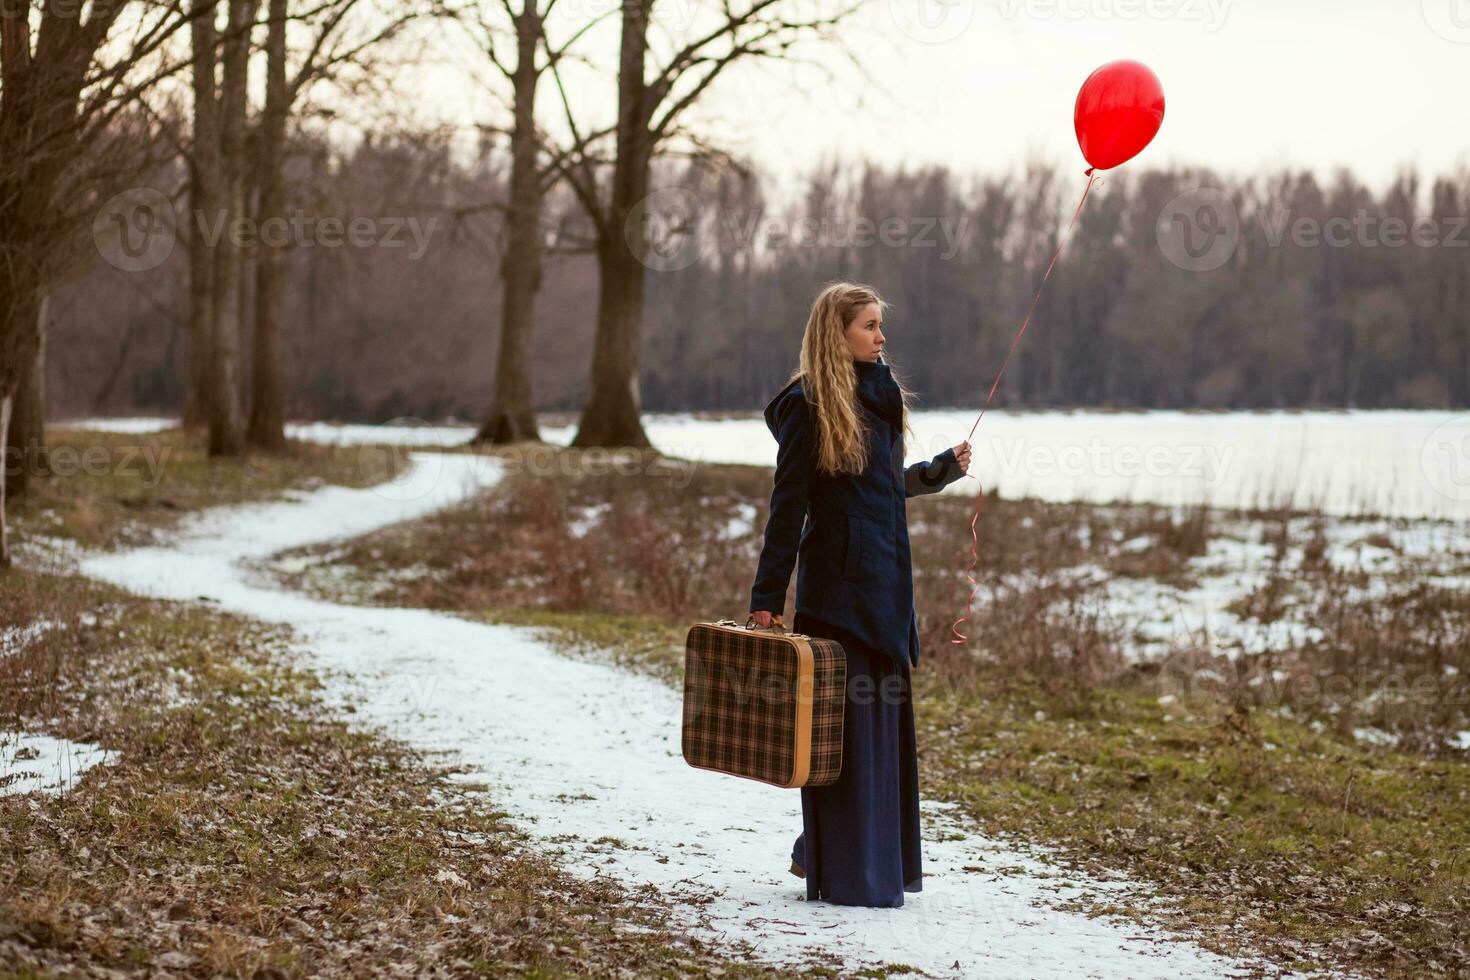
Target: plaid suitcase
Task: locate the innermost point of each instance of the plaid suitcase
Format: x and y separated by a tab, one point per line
765	704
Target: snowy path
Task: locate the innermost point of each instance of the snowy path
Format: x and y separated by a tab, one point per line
581	753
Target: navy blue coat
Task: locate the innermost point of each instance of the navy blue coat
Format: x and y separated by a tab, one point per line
850	531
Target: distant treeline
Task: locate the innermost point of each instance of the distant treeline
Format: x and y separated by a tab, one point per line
1270	292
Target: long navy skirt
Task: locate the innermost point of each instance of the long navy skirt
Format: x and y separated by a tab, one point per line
859	843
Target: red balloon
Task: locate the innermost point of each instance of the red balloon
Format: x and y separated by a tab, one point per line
1119	111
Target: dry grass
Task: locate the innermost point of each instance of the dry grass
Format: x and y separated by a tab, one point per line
641	547
1249	807
1391	651
553	544
1276	839
111	489
242	831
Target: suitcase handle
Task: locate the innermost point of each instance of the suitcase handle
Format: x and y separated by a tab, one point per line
777	626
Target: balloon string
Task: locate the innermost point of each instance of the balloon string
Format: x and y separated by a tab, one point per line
980	494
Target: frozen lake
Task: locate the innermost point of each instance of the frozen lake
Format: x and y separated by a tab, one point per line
1390	463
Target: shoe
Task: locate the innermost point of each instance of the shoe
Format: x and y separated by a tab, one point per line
798	870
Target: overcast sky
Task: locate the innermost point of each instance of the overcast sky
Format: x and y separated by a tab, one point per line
979	85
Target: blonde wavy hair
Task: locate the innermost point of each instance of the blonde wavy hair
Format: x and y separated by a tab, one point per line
828	377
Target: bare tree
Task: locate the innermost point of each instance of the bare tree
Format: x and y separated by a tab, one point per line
334	45
226	423
267	426
204	188
56	104
510	417
650	106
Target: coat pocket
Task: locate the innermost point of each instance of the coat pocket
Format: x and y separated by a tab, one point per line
852	555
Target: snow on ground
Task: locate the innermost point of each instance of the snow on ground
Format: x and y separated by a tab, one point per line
587	518
142	423
1393	462
14	639
742	523
42	764
586	757
39	763
1158	617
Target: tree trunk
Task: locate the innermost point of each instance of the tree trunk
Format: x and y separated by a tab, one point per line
226	427
201	292
267	429
18	346
28	415
511	418
4	531
203	207
611	416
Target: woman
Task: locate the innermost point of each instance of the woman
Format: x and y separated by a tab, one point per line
840	423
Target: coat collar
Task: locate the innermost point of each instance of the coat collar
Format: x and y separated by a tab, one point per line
877	389
771	411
